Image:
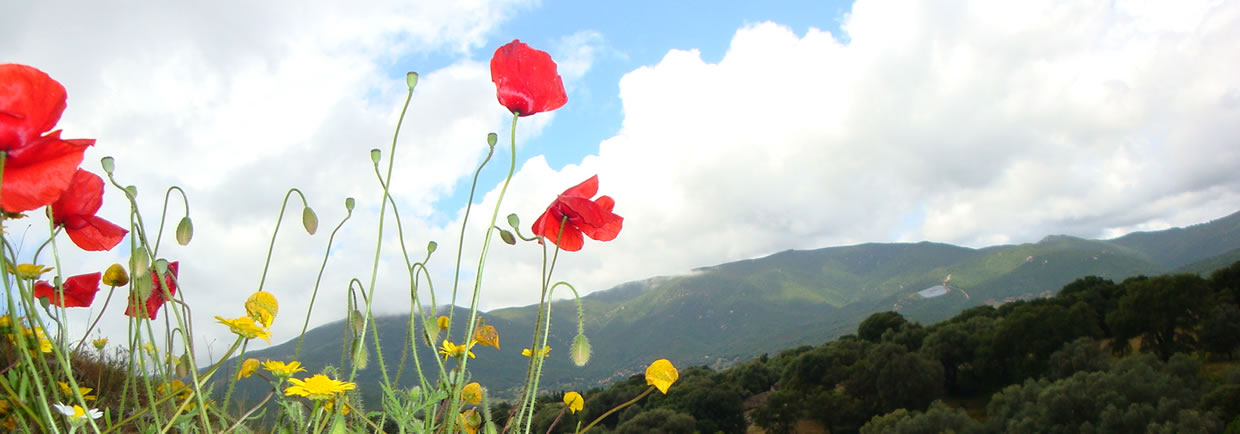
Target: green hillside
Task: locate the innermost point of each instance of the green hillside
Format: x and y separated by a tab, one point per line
728	313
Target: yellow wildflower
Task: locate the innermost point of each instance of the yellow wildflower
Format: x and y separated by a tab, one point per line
247	368
574	401
452	350
545	352
486	335
68	391
471	421
331	403
245	327
472	393
115	276
99	343
262	306
443	322
318	387
282	370
661	374
28	271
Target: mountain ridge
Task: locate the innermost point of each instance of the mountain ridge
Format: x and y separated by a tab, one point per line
726	313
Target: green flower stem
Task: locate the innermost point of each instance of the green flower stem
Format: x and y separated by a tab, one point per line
400	232
247	414
545	335
279	219
138	231
317	280
164	215
530	391
460	244
374	270
111	290
618	407
26	364
482	260
240	360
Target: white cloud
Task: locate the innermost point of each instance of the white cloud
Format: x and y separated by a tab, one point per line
237	103
973	124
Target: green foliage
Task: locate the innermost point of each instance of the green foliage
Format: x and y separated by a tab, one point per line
1163	311
1081	355
658	421
781	412
1135	394
875	325
939	418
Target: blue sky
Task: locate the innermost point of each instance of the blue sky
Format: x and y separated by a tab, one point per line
723	133
627	35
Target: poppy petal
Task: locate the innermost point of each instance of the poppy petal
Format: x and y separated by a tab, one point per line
586	189
97	235
526	80
31	103
606	203
38	174
83	197
79	291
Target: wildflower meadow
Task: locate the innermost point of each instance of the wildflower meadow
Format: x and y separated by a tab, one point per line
54	377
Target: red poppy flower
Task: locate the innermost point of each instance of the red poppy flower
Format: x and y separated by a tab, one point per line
76	208
593	218
79	290
526	79
38	166
156	298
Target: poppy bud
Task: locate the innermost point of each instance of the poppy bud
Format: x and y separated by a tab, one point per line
580	350
375	155
507	237
185	231
108	164
514	221
411	79
431	246
360	356
183	365
309	220
348	204
132	190
492	139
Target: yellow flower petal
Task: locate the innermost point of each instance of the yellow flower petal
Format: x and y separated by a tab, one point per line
486	336
574	401
281	369
443	322
263	307
546	352
472	393
28	271
318	387
661	374
245	327
247	368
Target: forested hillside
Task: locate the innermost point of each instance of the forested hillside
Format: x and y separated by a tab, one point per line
1146	354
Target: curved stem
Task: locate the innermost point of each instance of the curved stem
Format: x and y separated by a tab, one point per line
279	219
317	280
164	214
482	260
618	407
